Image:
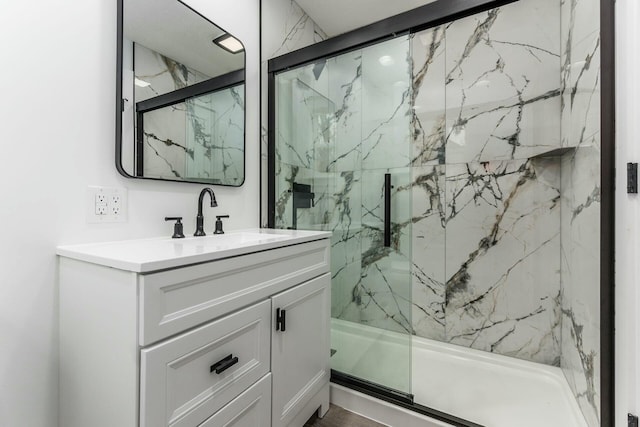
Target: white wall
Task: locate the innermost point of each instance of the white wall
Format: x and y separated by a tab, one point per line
627	211
57	110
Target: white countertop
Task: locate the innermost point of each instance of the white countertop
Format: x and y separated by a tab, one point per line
145	255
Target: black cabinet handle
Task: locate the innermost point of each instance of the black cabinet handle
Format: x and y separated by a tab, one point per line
224	364
281	320
387	210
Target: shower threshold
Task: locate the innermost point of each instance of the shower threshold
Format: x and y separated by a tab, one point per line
484	388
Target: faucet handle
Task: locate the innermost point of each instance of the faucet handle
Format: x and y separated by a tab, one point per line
178	232
219	229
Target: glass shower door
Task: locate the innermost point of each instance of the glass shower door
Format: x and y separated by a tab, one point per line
342	164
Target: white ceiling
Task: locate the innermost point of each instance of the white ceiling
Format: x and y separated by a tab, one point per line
339	16
172	29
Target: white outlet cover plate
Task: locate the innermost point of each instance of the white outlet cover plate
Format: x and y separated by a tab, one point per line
115	204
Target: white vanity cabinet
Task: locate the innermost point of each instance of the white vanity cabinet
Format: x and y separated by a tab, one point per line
239	337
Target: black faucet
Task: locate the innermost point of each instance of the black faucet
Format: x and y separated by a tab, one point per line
200	217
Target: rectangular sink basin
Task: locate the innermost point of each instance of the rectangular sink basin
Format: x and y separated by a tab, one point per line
230	239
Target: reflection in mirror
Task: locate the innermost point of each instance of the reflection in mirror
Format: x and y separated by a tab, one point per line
182	94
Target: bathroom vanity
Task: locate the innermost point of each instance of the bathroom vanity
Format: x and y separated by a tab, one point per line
201	331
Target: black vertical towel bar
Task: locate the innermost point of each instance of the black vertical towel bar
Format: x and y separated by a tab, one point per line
387	210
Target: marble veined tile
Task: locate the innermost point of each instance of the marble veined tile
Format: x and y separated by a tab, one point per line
305	115
286	27
202	138
503	83
162	74
428	251
581	73
502	258
305	218
344	74
165	149
581	279
386	104
215	135
428	97
164	143
581	203
340	212
373	205
336	208
381	297
492	249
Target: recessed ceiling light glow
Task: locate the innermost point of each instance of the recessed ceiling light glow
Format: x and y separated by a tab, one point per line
141	83
229	43
386	60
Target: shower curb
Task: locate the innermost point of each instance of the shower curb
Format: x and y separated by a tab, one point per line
379	410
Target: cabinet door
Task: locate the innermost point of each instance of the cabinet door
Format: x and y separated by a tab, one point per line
300	352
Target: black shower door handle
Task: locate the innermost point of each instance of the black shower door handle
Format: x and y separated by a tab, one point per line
387	210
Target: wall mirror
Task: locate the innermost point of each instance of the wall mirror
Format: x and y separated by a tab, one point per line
180	96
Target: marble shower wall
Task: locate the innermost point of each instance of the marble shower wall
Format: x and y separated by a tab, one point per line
340	123
495	200
502	257
285	28
580	228
452	114
428	201
201	138
486	212
503	83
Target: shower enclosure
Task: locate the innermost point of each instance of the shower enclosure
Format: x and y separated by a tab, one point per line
458	166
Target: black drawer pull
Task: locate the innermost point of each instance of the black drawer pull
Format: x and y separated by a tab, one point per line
281	320
224	364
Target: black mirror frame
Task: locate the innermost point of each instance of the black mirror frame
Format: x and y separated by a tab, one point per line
119	106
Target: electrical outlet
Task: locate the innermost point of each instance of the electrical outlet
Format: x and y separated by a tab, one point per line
106	204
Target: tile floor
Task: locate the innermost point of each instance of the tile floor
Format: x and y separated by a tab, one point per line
338	417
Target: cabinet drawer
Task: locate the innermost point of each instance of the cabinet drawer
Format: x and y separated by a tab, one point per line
175	300
179	385
251	409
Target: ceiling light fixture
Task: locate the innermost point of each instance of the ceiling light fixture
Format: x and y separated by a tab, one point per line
229	43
